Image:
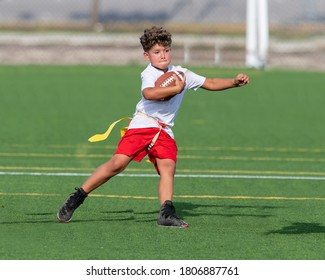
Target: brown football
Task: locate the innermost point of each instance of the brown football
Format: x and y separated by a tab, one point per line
167	79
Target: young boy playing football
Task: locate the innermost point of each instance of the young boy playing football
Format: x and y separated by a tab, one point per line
149	132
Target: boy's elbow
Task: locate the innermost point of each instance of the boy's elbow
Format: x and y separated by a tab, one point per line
147	94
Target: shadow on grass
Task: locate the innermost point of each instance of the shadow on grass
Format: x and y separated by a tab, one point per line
50	218
55	221
300	228
183	210
143	216
186	209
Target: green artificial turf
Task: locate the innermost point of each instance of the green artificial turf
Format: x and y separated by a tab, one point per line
250	168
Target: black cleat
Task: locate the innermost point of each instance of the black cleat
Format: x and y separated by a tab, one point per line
70	205
167	216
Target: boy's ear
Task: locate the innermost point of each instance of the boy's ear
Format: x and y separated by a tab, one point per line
146	56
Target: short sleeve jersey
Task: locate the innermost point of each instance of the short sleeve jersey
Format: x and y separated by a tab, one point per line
163	111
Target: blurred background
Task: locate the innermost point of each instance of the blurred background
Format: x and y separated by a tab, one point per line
205	32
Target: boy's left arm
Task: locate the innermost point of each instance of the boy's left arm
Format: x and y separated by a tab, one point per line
221	84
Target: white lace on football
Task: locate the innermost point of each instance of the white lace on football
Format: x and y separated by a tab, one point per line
179	75
167	82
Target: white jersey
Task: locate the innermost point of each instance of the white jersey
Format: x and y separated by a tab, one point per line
157	110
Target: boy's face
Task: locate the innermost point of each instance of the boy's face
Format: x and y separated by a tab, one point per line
159	56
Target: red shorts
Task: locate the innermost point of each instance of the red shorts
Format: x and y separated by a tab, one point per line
135	144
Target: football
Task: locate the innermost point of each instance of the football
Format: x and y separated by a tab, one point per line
167	79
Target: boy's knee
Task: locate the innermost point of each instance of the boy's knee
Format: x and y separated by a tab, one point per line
117	164
166	166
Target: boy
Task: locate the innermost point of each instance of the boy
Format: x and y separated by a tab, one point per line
149	131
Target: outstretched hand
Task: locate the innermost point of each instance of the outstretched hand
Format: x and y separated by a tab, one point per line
241	80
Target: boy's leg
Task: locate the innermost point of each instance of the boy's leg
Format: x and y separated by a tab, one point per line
167	215
106	171
167	168
101	175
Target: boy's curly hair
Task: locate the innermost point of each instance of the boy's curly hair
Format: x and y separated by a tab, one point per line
155	35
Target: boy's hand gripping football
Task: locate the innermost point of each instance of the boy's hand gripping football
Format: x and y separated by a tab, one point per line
180	82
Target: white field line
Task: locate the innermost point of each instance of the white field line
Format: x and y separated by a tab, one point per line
208	176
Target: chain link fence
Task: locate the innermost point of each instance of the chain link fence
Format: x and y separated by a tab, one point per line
205	32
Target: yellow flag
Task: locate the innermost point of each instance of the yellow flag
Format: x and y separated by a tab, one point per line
101	137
